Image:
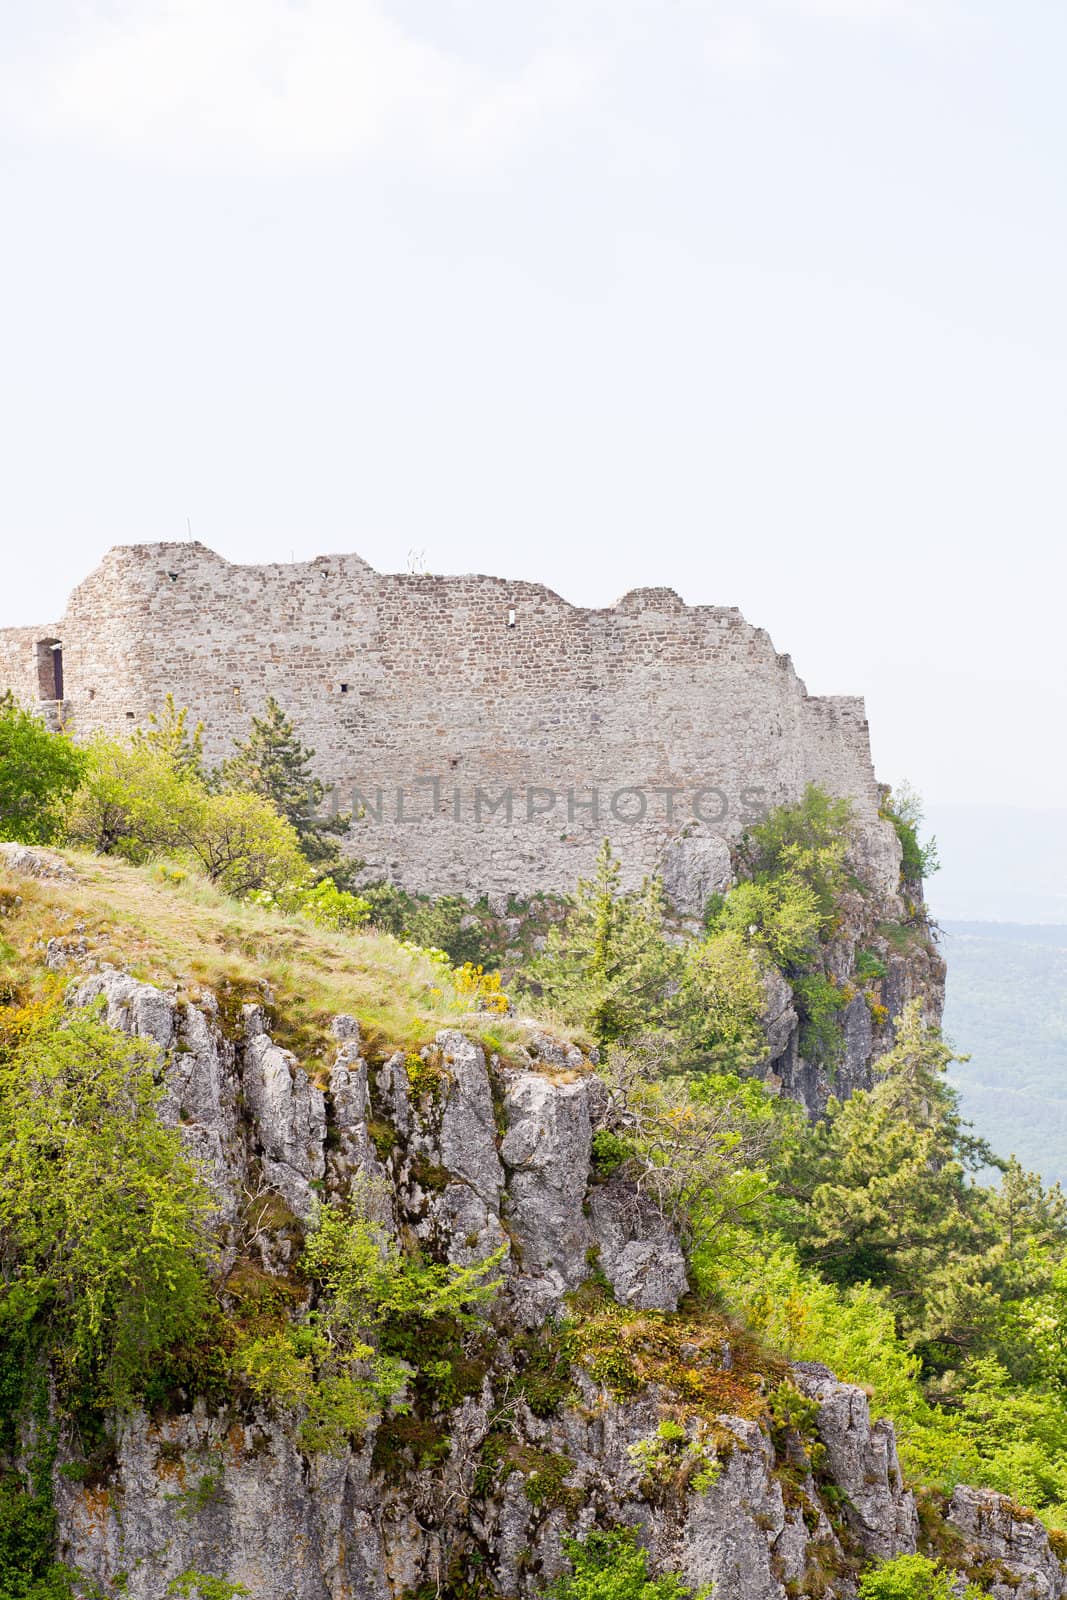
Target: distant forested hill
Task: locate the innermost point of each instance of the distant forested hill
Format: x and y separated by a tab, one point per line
1007	1008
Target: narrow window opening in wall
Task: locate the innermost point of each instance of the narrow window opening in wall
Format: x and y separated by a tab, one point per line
49	669
173	576
92	694
130	715
511	617
344	688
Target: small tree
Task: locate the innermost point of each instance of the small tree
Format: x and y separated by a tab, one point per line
884	1192
695	1147
610	969
241	843
273	763
102	1216
39	771
723	1001
170	737
133	801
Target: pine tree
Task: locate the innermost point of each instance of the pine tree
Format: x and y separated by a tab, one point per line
274	763
169	736
611	968
884	1189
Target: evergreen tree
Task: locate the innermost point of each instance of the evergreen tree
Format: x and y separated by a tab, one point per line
885	1196
274	763
169	737
610	969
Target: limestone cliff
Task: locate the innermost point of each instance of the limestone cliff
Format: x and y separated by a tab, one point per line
474	1500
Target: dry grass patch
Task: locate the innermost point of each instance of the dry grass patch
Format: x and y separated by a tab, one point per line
186	936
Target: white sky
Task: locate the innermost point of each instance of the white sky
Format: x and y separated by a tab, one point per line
764	301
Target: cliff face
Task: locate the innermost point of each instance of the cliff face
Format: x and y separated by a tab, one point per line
484	1156
903	964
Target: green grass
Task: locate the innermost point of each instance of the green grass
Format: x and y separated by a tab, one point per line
185	935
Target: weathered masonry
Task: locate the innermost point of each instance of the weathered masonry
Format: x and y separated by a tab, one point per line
488	733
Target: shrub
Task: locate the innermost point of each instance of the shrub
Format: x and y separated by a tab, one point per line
723	1001
807	842
904	810
819	1002
481	988
350	1355
613	1566
39	771
915	1578
132	801
101	1214
780	916
323	904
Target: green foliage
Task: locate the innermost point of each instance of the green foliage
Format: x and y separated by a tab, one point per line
39	771
883	1190
130	802
274	764
446	923
240	842
609	1152
722	1000
903	809
673	1462
915	1578
698	1146
869	964
27	1538
169	739
788	906
102	1217
819	1001
613	1566
141	800
807	843
355	1350
610	969
193	1585
323	903
778	915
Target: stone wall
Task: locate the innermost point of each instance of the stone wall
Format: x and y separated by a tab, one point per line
437	698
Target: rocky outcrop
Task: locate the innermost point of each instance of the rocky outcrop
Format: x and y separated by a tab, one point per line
862	1459
476	1158
695	865
30	861
1001	1534
878	966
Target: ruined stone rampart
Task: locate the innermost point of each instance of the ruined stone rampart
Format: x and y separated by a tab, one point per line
493	732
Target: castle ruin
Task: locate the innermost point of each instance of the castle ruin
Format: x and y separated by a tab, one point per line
487	734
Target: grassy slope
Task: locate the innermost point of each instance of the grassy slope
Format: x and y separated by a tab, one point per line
188	936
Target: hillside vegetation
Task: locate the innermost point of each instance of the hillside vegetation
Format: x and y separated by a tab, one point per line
861	1241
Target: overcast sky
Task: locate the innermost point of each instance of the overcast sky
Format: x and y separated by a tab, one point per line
764	301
